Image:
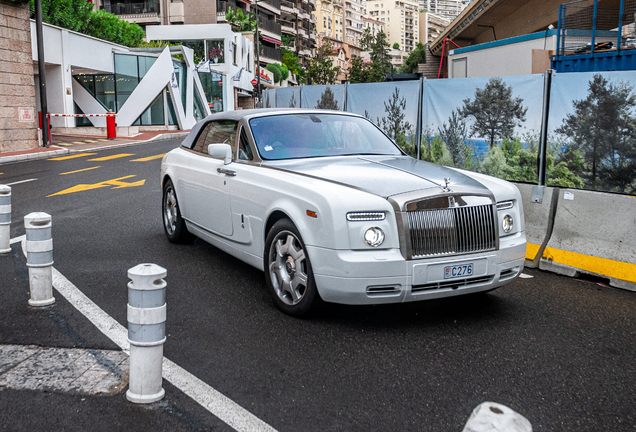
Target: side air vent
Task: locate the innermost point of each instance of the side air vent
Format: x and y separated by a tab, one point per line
383	290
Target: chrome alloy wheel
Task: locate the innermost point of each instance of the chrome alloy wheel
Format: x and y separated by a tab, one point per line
170	210
288	268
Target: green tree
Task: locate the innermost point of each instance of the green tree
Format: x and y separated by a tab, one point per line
494	111
417	56
437	152
454	136
321	69
104	25
327	100
494	163
602	131
358	72
380	58
394	124
396	45
366	39
239	21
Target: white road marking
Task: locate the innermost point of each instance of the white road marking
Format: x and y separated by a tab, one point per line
525	276
21	181
17	239
212	400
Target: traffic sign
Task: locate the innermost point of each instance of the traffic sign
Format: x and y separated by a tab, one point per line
254	81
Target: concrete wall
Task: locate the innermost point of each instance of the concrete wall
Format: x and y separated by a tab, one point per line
506	59
16	80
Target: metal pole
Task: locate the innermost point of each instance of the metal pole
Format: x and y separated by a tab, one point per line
620	27
594	26
418	127
258	61
42	71
543	141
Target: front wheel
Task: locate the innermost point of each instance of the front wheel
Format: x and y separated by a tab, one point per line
173	223
288	271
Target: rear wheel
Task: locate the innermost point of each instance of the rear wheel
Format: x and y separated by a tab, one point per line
173	223
288	271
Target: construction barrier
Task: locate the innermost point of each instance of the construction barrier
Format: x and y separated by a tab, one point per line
577	231
111	126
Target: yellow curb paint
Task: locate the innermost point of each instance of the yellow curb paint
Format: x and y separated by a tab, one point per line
85	169
114	182
72	156
90	141
149	158
603	266
117	156
531	251
79	142
100	139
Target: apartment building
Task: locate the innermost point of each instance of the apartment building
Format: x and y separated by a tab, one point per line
354	12
448	9
330	19
400	19
431	26
375	26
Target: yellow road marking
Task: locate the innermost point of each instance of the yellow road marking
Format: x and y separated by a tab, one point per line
90	141
64	144
114	182
72	156
101	139
117	156
615	269
79	142
149	158
85	169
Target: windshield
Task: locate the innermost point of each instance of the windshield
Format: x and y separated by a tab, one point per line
314	135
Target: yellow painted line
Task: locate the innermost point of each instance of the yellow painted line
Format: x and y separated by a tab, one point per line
531	251
606	267
72	156
117	156
64	144
79	142
100	139
117	183
91	141
85	169
149	158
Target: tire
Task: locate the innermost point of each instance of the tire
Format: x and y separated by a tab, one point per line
288	271
173	224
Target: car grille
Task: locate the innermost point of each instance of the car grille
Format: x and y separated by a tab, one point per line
454	284
452	231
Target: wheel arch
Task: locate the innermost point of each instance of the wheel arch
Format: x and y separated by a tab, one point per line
274	217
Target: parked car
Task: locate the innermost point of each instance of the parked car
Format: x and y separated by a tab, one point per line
330	208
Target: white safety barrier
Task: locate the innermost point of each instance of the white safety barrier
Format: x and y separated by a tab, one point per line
146	332
39	248
494	417
5	219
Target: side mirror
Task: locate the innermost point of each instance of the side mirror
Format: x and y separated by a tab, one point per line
223	151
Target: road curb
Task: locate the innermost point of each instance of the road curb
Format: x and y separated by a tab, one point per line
32	156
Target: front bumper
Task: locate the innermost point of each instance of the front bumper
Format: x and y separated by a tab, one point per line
384	276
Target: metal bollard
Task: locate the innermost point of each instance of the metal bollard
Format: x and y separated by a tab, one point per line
146	332
39	247
5	219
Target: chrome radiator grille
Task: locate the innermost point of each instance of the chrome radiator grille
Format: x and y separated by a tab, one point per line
452	231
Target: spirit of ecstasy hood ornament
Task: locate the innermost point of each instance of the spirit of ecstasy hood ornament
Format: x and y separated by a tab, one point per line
447	181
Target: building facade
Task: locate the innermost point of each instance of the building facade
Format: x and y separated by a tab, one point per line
330	19
448	9
431	26
354	13
400	19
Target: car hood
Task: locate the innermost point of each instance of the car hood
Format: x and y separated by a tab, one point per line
382	175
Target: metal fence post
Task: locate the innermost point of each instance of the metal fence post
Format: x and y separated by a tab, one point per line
5	219
146	332
39	248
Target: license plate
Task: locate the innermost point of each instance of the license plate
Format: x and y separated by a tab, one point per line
457	271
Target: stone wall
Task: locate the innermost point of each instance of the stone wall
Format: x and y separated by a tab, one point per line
17	88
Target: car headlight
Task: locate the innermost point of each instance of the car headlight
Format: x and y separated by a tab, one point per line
507	223
374	236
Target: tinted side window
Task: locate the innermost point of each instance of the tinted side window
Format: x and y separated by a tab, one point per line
217	132
245	152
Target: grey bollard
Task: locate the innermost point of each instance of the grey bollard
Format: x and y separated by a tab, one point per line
146	332
494	417
39	248
5	219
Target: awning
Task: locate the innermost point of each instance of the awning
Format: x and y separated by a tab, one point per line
247	2
272	40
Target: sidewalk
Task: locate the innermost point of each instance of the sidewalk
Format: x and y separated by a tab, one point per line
65	143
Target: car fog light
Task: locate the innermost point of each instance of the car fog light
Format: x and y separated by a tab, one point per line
507	223
374	236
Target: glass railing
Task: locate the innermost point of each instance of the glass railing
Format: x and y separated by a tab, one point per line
132	8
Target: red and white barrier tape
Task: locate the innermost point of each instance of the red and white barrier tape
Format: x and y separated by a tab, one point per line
81	115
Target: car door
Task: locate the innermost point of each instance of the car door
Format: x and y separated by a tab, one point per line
206	186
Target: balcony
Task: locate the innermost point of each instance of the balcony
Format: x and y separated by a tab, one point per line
270	5
288	7
269	26
149	8
288	28
269	54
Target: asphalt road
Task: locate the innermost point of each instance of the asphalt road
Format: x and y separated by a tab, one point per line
557	350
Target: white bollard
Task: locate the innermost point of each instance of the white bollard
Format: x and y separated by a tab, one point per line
494	417
146	332
5	219
39	248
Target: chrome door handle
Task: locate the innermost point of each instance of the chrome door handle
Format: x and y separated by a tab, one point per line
226	172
